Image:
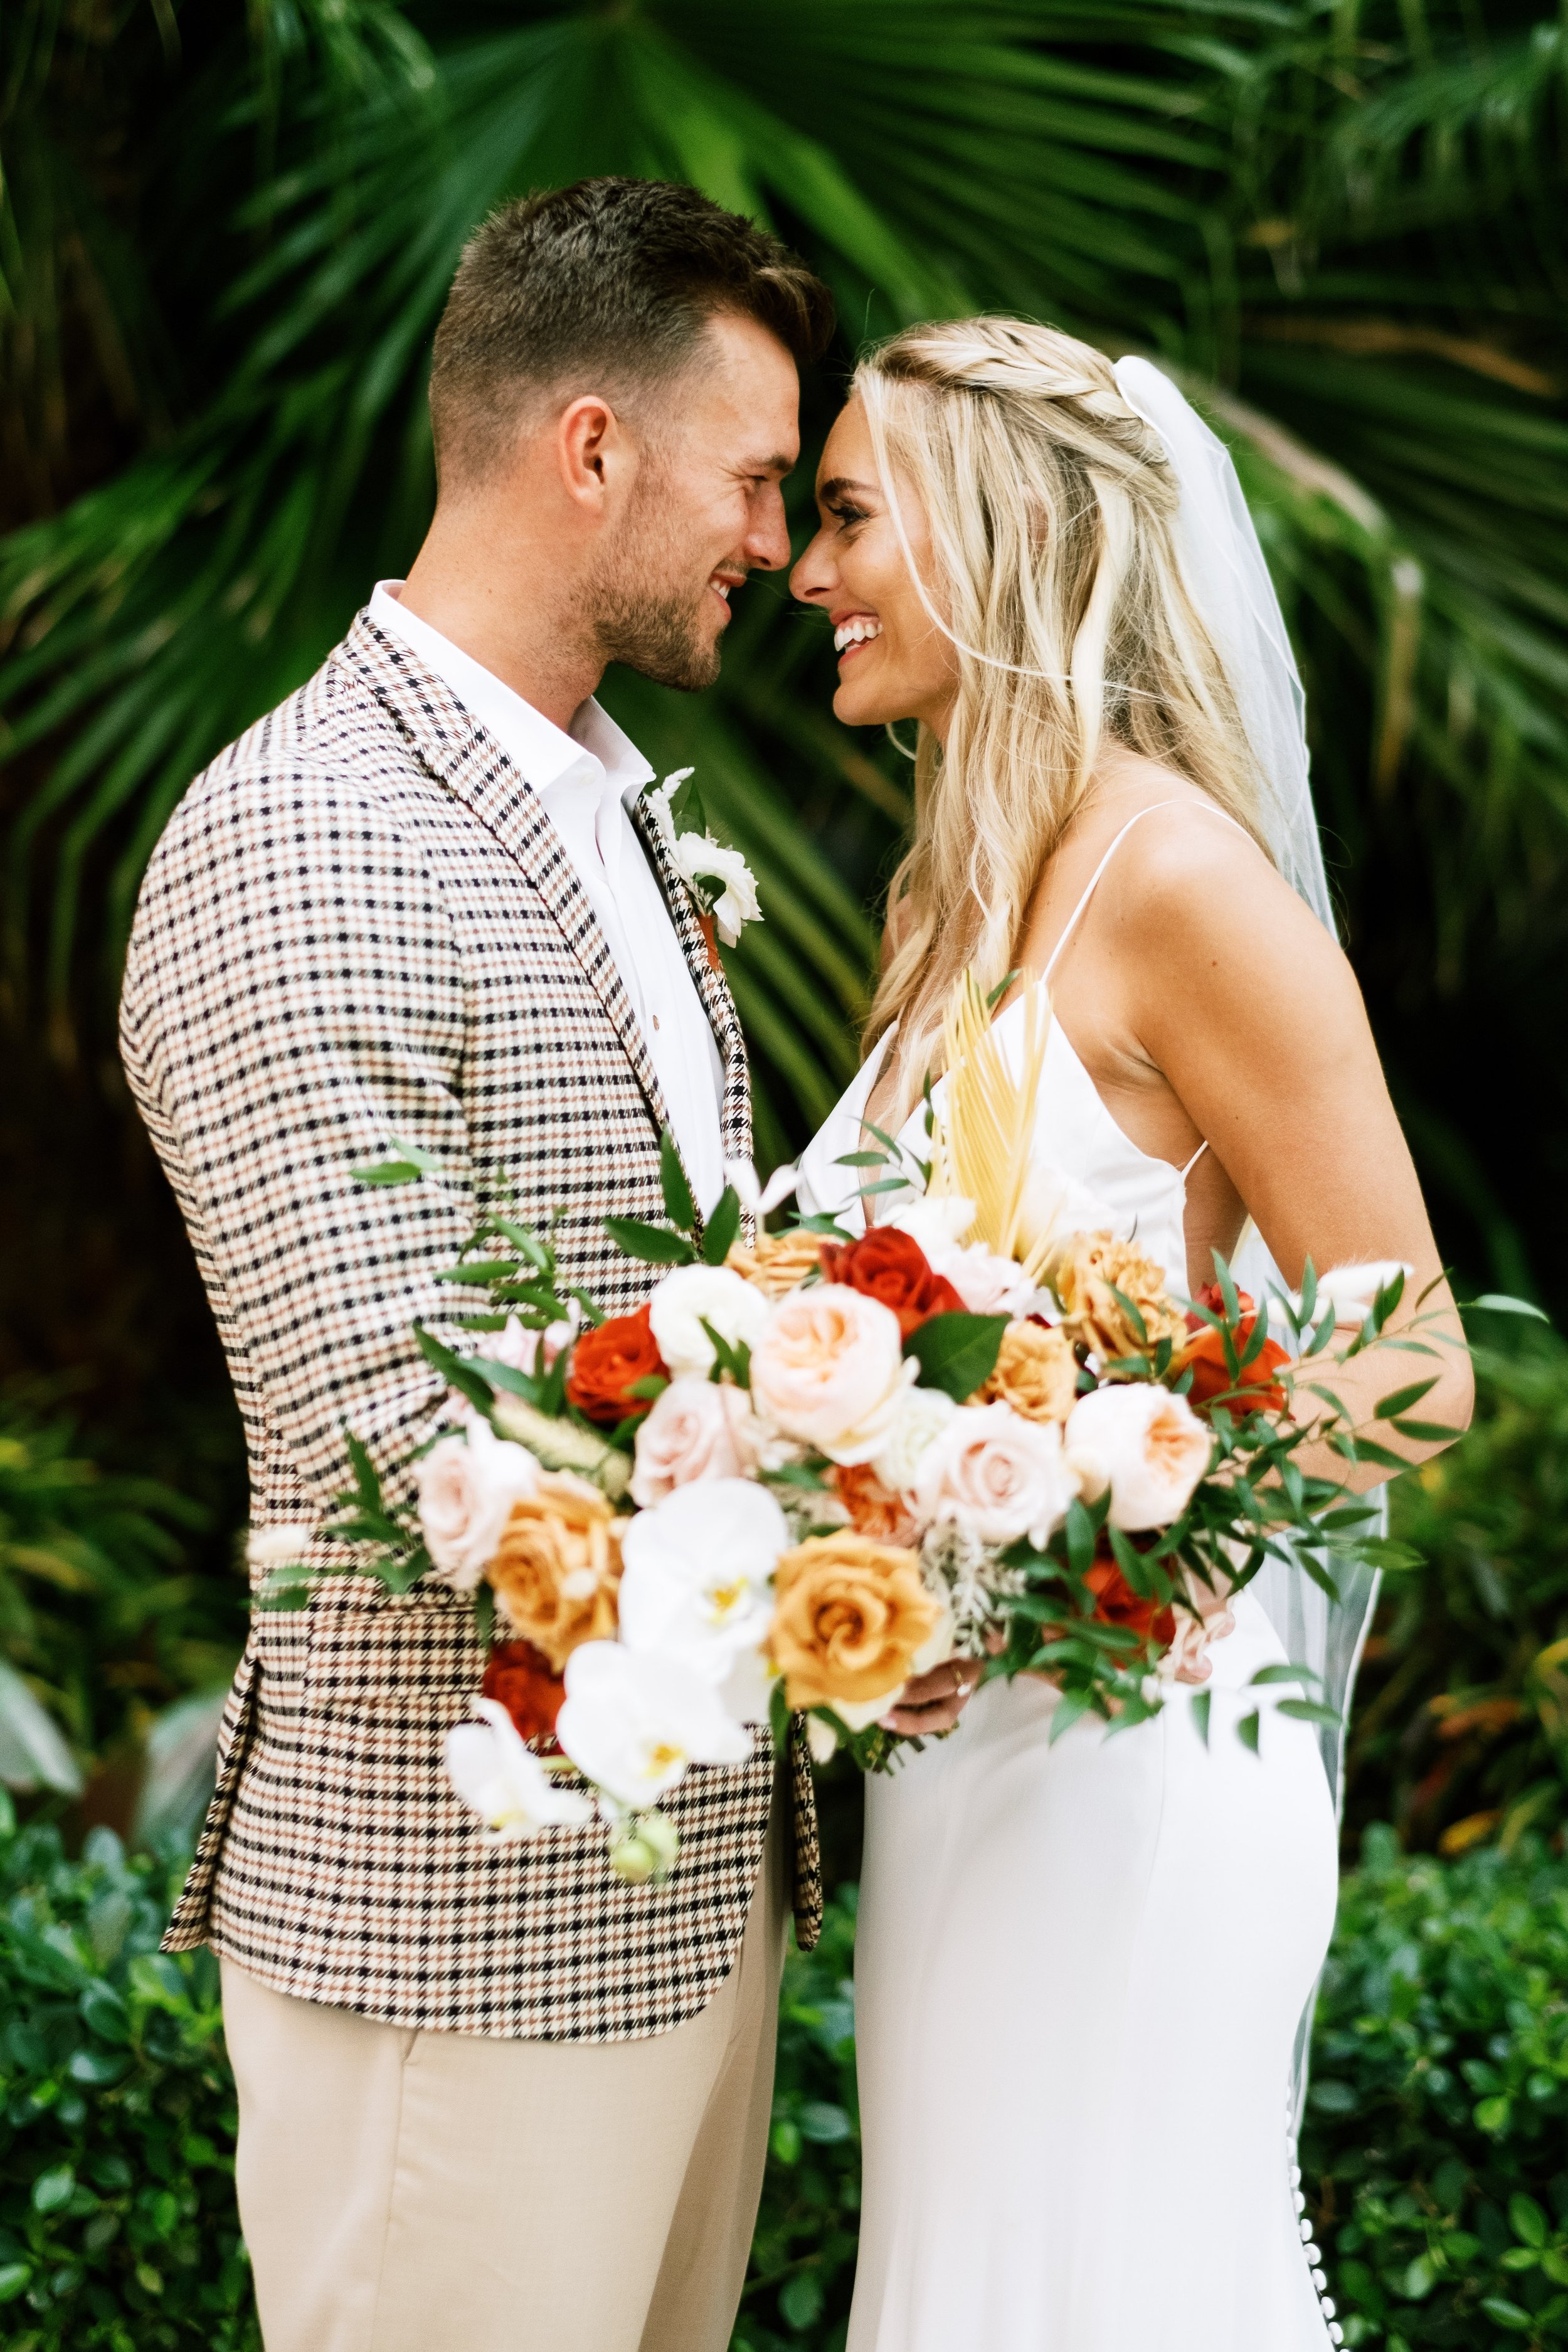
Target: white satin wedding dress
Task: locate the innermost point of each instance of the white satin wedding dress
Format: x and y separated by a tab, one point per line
1081	1968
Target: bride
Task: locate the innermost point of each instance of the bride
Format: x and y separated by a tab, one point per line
1081	1968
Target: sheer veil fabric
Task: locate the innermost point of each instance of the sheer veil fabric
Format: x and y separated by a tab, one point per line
1224	573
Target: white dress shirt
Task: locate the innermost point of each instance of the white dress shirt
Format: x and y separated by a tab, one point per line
586	780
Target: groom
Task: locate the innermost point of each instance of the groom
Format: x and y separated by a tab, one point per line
491	2099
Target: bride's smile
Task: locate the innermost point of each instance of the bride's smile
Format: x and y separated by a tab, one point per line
894	660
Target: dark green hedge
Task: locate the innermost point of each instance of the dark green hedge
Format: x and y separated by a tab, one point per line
118	2231
1435	2153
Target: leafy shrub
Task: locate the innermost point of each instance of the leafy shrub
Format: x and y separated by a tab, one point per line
1461	1729
1436	2155
118	2231
803	2256
101	1621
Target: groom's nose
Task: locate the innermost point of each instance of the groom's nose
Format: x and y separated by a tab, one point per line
766	543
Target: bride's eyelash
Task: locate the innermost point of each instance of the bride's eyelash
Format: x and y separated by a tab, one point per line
845	511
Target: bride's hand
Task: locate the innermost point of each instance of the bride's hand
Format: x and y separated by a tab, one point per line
930	1704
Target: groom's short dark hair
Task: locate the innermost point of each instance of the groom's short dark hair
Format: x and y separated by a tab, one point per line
607	284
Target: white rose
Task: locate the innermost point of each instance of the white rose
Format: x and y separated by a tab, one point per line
920	1415
701	858
466	1489
996	1476
504	1782
697	1574
697	1429
988	1284
694	1295
633	1720
1143	1442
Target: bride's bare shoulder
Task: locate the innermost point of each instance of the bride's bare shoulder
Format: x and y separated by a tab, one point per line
1185	863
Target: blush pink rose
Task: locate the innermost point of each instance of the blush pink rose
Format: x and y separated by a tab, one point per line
996	1474
829	1370
697	1429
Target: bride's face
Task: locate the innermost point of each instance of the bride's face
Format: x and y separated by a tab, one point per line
893	660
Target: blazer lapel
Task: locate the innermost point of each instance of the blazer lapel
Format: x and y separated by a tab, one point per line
712	987
474	768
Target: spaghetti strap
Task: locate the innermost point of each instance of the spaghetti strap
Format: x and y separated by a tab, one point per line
1203	808
1194	1160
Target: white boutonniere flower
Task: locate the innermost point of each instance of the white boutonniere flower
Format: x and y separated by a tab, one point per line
718	877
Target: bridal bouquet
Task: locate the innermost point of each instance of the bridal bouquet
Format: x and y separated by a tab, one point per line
813	1466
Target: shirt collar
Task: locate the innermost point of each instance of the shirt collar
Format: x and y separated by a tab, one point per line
596	754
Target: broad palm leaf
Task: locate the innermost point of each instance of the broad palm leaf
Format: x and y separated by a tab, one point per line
1344	233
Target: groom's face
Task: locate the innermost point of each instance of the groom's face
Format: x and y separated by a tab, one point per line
705	508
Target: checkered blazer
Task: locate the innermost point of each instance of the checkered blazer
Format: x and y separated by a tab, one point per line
361	924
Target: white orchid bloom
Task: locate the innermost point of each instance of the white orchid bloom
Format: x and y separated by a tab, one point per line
691	1295
697	1570
756	1198
633	1720
504	1782
1351	1290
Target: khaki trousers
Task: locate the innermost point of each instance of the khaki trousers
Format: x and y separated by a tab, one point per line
403	2192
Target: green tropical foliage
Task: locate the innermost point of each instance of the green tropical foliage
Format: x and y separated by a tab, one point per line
102	1622
1461	1729
225	237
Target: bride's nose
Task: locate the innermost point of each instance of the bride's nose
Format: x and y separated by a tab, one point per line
813	575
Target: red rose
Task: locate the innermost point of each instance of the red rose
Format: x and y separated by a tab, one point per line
1116	1603
887	1264
518	1676
1204	1357
607	1361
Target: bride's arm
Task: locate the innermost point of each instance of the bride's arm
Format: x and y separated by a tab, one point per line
1251	1012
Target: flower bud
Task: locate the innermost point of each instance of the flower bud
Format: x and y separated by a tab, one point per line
643	1853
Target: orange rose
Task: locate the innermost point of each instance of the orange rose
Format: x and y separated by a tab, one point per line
608	1360
520	1676
890	1266
852	1617
874	1509
1204	1357
1116	1603
556	1570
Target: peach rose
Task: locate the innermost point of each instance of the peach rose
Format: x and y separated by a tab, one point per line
557	1566
1143	1442
1036	1374
829	1370
776	1262
1092	1268
854	1619
696	1429
995	1476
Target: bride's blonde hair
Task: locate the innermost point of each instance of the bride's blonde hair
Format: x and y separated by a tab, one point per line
1050	506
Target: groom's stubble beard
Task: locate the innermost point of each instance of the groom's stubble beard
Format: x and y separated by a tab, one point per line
643	606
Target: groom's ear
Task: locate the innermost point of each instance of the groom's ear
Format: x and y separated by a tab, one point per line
595	456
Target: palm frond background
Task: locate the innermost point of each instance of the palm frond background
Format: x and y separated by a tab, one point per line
225	238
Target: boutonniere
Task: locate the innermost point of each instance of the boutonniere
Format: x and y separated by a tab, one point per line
718	877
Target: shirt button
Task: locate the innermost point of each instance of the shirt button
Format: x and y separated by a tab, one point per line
655	1020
